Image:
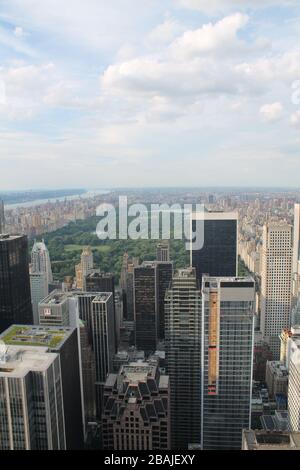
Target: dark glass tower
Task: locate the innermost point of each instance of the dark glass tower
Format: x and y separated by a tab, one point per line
103	282
218	255
146	306
164	279
15	301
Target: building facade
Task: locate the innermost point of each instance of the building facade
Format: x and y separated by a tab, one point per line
146	306
15	300
219	255
183	357
227	340
276	283
136	413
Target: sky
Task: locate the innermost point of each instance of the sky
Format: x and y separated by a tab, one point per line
139	93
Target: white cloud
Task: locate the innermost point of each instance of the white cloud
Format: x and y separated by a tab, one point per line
295	119
165	32
221	36
221	6
14	42
271	112
19	32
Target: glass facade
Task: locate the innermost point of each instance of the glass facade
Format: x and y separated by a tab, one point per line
218	256
183	357
15	299
227	357
146	307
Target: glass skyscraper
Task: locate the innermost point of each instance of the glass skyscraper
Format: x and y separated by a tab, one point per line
226	361
218	255
15	299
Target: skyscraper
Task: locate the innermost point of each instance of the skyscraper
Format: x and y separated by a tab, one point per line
103	282
183	357
146	306
164	279
40	260
103	342
15	301
163	252
218	255
62	343
2	218
296	250
84	267
136	412
31	386
276	283
227	336
39	290
294	383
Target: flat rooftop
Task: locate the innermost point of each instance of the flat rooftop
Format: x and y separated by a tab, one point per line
274	440
215	215
18	361
38	336
4	237
138	371
55	298
102	297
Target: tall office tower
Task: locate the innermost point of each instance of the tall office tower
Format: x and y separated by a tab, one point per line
15	301
296	251
294	383
2	218
146	306
100	282
163	252
227	359
97	311
164	279
62	343
40	260
136	413
31	386
58	308
85	267
125	263
39	290
126	284
183	356
218	255
276	283
130	293
88	375
103	341
103	282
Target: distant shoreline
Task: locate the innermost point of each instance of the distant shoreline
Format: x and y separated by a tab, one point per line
34	198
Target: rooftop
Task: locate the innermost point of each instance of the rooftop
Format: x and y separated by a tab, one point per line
55	298
102	297
139	371
5	236
274	440
18	361
38	336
